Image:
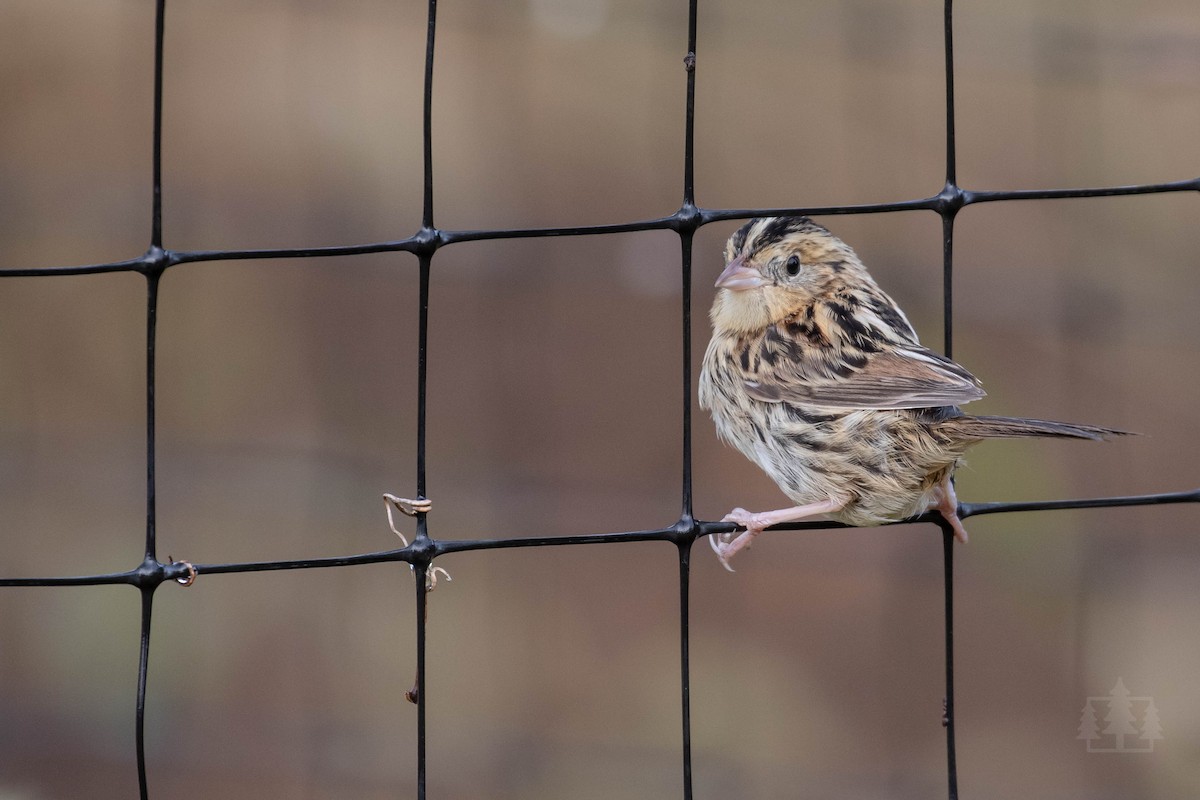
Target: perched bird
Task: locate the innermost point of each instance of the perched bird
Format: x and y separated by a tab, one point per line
816	375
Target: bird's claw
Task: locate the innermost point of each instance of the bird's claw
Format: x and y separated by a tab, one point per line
720	545
728	544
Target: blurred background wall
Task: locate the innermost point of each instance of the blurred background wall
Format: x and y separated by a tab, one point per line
286	398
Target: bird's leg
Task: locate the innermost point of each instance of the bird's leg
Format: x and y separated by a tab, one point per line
727	546
945	502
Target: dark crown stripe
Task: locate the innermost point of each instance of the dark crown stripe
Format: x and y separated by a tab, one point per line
762	232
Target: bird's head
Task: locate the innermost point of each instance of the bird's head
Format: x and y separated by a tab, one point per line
776	266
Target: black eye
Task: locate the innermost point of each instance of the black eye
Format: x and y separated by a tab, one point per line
793	265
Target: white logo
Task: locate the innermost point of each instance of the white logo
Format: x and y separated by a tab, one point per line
1120	722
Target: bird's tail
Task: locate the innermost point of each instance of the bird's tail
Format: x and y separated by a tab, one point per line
1019	427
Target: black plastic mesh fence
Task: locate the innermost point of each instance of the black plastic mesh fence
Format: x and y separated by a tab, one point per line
151	572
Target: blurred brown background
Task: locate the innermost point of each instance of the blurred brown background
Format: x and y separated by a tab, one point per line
286	398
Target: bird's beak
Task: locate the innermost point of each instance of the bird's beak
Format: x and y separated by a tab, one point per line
739	277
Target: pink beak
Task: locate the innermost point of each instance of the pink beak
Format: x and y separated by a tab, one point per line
739	277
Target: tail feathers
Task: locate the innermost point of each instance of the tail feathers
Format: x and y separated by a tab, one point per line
1018	427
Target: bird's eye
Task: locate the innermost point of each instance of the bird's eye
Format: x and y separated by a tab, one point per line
793	265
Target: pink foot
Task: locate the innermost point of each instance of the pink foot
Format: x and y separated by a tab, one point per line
945	502
727	545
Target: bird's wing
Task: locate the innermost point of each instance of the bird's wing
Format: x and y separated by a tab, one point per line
901	376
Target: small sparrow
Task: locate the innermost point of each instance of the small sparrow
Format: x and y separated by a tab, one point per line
816	375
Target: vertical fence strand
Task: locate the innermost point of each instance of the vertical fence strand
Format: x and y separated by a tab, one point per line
948	719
